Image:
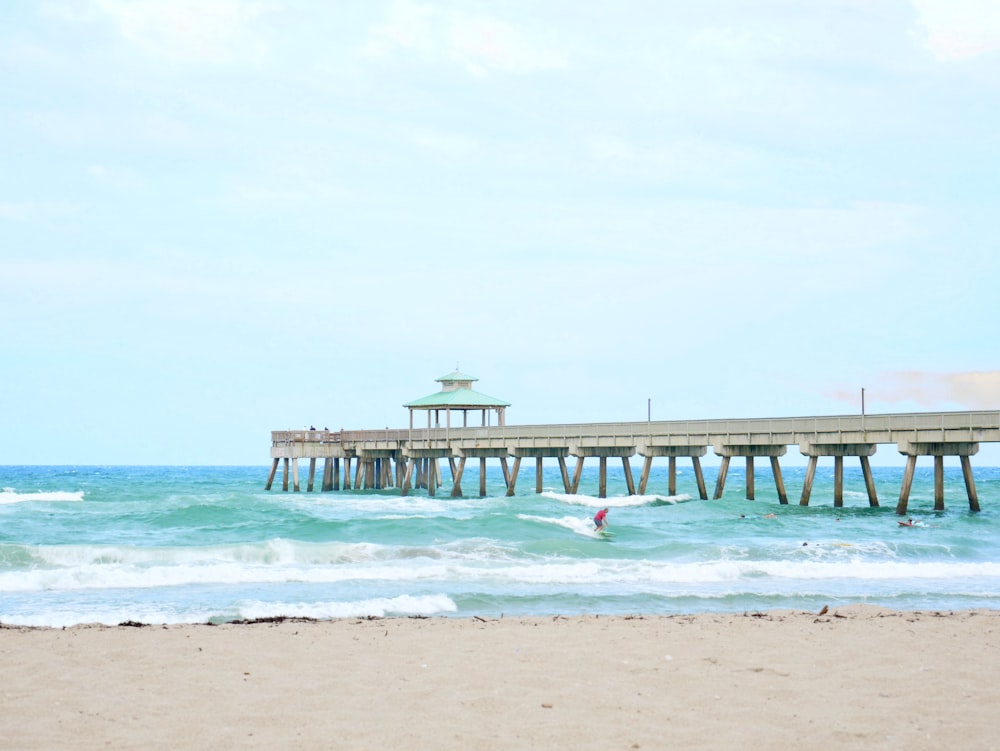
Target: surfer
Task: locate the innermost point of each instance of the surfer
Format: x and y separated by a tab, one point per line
601	520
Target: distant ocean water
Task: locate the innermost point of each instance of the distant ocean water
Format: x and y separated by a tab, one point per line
198	544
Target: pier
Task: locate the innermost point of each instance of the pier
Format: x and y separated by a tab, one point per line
410	458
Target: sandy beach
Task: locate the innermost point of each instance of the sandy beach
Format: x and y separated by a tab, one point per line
857	677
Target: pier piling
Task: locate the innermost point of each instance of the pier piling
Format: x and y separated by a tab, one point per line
416	452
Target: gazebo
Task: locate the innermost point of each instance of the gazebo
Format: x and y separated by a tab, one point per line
456	395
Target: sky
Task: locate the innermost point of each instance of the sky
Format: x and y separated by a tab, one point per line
225	217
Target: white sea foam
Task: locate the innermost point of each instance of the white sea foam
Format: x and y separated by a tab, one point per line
376	607
624	501
9	495
66	568
575	524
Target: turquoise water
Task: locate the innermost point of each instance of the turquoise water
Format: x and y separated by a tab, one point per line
197	544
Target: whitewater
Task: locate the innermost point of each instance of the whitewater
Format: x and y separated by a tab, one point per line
209	544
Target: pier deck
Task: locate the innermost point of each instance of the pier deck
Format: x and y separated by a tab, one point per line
416	451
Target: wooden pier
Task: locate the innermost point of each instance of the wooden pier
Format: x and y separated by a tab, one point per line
408	458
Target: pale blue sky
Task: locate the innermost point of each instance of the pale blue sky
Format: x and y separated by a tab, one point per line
223	218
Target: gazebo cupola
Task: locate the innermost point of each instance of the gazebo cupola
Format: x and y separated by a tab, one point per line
457	395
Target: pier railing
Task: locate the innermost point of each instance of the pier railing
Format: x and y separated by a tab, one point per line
922	427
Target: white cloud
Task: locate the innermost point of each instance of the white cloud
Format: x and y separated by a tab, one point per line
15	211
454	145
409	27
973	390
478	43
220	31
118	177
483	44
956	30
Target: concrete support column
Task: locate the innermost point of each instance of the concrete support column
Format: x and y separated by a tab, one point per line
939	450
779	483
456	490
405	488
904	491
672	452
564	473
647	464
629	483
866	470
838	482
272	473
838	451
749	451
576	475
970	484
482	477
513	476
700	478
807	485
312	474
939	483
720	482
538	475
327	474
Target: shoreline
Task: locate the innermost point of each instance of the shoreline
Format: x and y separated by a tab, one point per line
857	675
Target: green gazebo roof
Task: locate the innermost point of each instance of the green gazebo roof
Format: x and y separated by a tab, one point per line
462	397
458	398
455	376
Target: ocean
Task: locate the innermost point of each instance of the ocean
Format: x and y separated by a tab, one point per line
208	544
